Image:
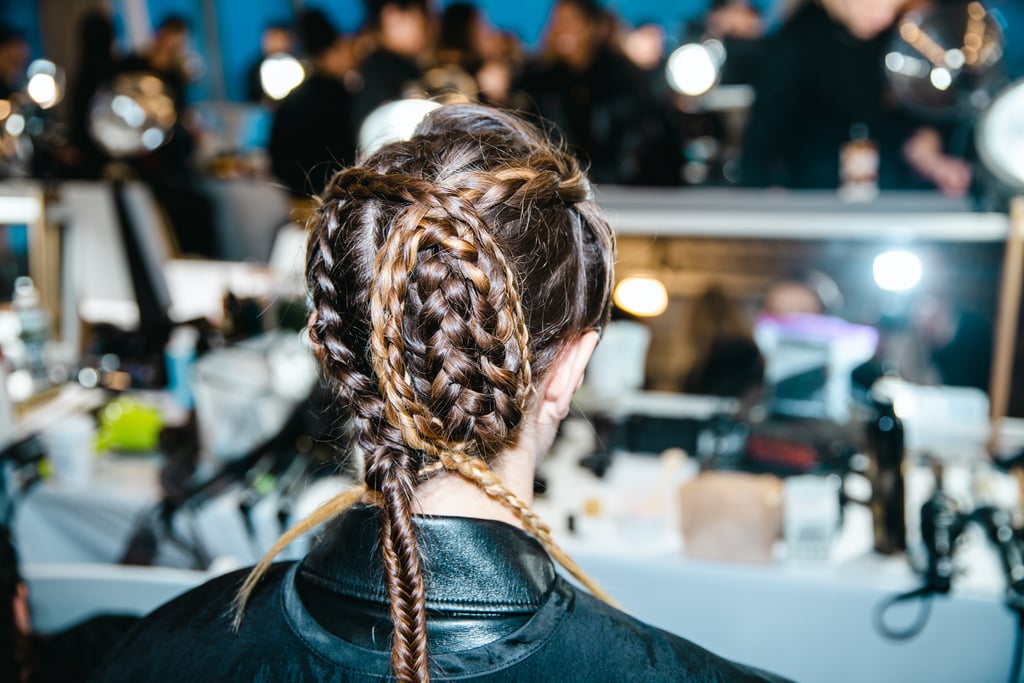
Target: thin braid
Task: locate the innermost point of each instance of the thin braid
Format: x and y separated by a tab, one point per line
327	511
478	472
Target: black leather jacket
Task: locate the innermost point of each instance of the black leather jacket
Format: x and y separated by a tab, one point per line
497	609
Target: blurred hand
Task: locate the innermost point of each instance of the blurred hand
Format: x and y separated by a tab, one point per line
952	175
923	152
735	20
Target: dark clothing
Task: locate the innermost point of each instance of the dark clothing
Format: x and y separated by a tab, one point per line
386	76
254	83
312	135
732	367
498	611
71	656
609	114
966	361
816	83
744	60
93	75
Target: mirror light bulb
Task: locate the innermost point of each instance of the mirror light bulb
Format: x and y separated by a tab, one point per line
897	270
692	69
280	74
641	296
42	88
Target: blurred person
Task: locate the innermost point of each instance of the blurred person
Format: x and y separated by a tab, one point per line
497	77
14	55
402	34
469	42
609	30
599	100
276	39
802	292
741	28
512	49
96	66
68	656
312	134
644	45
935	342
169	170
734	19
726	359
459	282
821	87
166	57
466	39
901	353
958	343
925	152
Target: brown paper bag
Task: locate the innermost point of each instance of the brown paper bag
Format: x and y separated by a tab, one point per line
731	516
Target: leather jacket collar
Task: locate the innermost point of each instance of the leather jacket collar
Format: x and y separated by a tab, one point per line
484	579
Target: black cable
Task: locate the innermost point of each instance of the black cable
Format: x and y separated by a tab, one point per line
1018	650
925	593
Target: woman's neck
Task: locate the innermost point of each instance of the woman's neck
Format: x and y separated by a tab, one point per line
449	494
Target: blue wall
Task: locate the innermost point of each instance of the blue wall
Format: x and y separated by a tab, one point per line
23	17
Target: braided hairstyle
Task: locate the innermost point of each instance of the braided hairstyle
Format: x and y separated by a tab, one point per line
447	272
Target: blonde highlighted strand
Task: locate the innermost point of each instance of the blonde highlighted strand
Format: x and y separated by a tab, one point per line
323	514
476	471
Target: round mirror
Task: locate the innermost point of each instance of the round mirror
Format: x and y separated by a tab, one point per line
134	116
1000	137
943	59
45	83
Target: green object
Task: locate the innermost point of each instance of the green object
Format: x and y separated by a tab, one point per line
264	484
127	425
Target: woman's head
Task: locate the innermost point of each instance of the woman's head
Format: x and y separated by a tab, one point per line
401	26
573	32
448	274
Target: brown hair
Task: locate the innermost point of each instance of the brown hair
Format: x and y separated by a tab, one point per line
446	273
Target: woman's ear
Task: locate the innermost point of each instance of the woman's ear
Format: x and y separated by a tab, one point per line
566	375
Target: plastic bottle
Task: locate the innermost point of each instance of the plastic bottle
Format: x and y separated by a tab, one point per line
180	356
858	166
